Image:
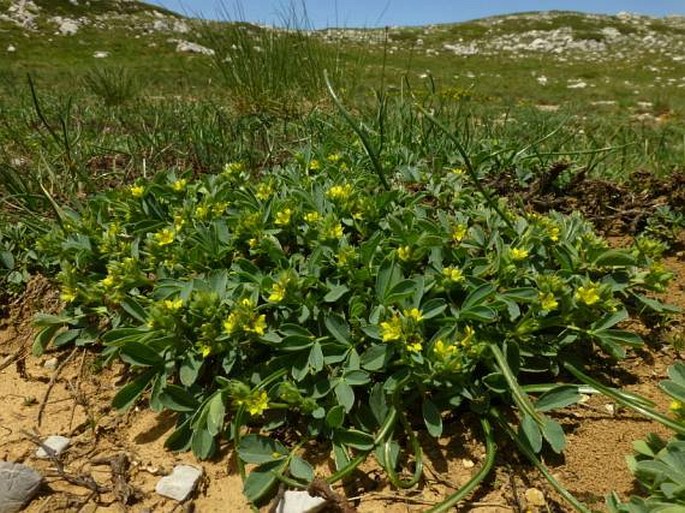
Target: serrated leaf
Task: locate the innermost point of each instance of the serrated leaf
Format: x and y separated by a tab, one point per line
431	417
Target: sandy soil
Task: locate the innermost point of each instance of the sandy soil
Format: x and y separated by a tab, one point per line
103	440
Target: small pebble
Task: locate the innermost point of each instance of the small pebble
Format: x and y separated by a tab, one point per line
55	442
180	483
51	364
300	502
535	497
468	463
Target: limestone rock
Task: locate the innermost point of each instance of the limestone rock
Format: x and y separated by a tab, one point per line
55	442
180	483
18	485
300	502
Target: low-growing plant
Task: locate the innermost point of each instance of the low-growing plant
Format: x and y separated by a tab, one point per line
113	85
659	465
307	300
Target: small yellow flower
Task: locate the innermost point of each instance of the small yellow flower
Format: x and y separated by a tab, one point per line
277	293
179	222
137	191
404	253
201	211
340	192
334	157
232	168
179	184
258	325
676	408
257	403
283	217
314	165
469	333
553	232
588	295
219	208
264	191
414	347
443	350
252	242
459	232
164	237
335	231
518	254
312	217
231	323
345	255
173	305
391	330
247	303
205	350
453	274
68	295
413	313
458	171
108	281
548	301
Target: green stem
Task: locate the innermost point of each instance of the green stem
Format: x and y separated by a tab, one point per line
370	151
520	397
528	453
469	166
632	403
416	448
490	450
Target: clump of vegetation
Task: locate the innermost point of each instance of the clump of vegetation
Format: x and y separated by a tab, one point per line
112	85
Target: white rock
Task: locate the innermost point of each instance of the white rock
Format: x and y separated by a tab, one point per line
100	54
18	485
188	47
576	85
51	364
11	48
542	80
300	502
535	497
180	483
55	442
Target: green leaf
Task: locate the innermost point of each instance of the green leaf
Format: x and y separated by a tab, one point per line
677	373
675	390
128	395
376	357
355	439
478	313
190	368
610	320
478	296
388	275
300	469
335	416
558	397
399	291
260	449
356	377
177	398
432	308
615	257
337	327
378	403
136	353
335	292
215	414
657	306
316	359
179	440
43	338
202	443
530	432
554	434
345	395
7	259
261	480
432	418
134	309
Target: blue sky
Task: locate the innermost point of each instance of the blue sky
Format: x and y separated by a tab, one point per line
374	13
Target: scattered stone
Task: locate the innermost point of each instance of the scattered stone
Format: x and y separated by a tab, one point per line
57	443
544	107
100	54
467	463
576	84
51	364
11	48
300	502
65	26
180	483
542	80
18	485
610	408
535	497
188	47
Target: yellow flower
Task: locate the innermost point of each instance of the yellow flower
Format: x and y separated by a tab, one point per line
414	313
219	208
231	323
283	217
453	274
205	350
179	184
68	295
588	295
201	211
164	237
553	232
548	301
108	281
340	192
252	242
335	231
414	347
459	232
137	191
518	254
179	222
247	303
676	408
277	293
314	165
469	333
333	157
404	253
391	330
312	217
264	190
458	171
233	167
257	403
173	305
258	325
345	255
443	350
